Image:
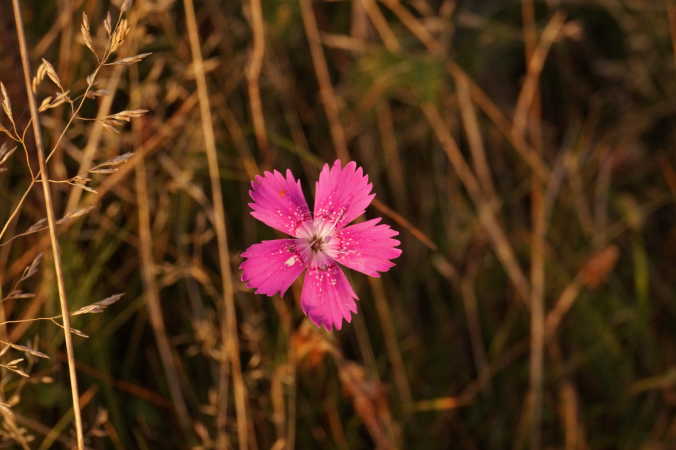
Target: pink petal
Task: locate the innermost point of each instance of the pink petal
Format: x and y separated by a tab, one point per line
365	247
327	296
271	267
279	202
342	194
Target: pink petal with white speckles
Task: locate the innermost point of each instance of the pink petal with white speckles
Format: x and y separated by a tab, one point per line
327	296
366	247
278	201
342	194
271	267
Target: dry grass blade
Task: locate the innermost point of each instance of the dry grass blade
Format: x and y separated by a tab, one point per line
130	59
5	153
72	330
44	105
18	295
86	34
39	76
81	182
12	366
115	121
75	214
119	35
535	66
128	115
6	105
94	93
108	24
476	145
112	165
48	69
32	269
100	306
3	129
27	350
40	225
50	103
43	224
4	349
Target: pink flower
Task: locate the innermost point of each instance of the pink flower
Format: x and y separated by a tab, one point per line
319	241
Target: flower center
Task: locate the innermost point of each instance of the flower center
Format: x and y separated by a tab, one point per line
314	241
316	244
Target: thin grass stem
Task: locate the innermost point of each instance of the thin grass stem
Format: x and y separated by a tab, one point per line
51	222
229	325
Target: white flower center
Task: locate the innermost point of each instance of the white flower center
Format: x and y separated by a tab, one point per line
315	242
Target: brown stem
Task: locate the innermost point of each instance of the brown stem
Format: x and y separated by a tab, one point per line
169	360
253	74
229	325
51	223
326	92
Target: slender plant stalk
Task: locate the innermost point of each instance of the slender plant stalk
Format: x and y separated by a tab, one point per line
392	344
537	321
51	223
326	91
527	120
16	209
471	304
253	74
395	172
474	138
528	101
229	325
148	267
153	301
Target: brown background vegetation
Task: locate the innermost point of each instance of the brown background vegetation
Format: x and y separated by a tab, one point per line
524	150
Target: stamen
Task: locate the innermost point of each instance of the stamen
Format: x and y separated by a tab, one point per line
316	244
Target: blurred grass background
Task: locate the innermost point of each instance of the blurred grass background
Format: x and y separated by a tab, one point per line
524	150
